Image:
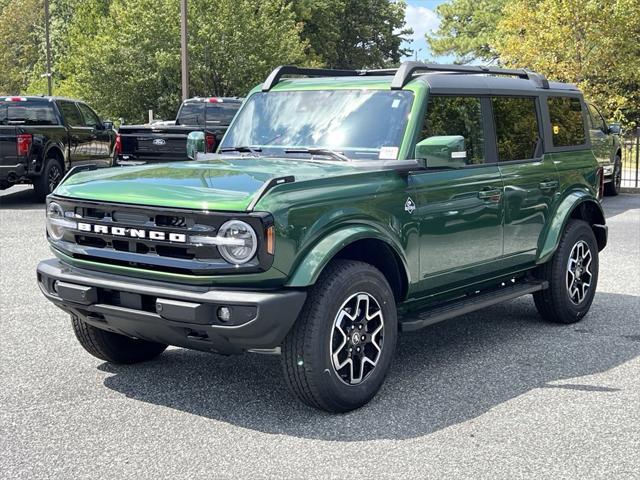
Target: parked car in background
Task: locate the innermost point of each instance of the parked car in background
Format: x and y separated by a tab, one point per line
43	137
335	215
607	147
167	141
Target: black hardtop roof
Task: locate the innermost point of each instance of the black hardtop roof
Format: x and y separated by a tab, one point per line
472	78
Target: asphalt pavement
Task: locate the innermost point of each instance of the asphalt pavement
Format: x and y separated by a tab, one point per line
493	394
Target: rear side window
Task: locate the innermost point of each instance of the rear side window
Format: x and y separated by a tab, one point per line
457	116
27	113
517	130
567	126
191	114
71	114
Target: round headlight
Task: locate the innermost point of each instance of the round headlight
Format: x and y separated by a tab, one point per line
238	242
55	221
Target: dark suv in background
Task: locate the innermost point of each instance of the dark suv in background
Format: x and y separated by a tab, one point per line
42	137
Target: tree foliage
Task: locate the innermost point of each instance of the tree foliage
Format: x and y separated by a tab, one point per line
593	43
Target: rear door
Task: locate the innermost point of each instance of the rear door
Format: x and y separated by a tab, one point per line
101	138
81	137
530	179
459	209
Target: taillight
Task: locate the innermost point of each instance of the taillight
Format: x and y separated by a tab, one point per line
600	183
210	142
24	144
117	148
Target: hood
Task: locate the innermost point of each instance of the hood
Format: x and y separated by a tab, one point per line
224	183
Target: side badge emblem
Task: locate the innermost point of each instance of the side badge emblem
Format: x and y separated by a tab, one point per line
409	206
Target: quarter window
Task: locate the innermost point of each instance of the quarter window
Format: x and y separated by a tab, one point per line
567	126
457	117
517	131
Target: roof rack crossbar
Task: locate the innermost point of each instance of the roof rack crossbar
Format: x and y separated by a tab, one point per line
275	76
407	69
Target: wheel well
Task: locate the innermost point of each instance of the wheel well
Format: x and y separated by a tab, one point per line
54	152
590	213
380	255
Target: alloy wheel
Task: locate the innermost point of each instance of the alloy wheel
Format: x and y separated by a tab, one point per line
579	274
357	338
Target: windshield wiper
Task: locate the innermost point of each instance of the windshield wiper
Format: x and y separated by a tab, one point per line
320	151
243	149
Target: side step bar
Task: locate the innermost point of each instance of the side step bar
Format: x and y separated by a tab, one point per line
454	308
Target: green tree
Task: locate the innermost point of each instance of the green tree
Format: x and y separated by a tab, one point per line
21	34
593	43
467	29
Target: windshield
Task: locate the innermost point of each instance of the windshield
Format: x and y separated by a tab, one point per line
361	124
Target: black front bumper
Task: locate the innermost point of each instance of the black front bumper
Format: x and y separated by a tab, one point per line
174	314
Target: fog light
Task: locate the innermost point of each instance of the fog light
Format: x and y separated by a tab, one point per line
224	314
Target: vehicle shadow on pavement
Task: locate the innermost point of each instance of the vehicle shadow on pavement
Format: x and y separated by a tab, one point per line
442	375
22	199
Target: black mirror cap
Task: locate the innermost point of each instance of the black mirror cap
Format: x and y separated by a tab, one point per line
615	129
107	125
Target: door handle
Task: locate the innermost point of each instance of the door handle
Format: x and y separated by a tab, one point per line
492	194
549	185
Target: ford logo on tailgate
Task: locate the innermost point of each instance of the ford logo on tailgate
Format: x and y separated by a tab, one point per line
159	141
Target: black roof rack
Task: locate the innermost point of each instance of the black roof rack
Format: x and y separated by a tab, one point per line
275	76
405	73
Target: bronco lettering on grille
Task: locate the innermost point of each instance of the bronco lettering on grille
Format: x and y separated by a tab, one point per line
132	232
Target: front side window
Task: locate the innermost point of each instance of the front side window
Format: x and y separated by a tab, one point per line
457	117
567	126
361	124
596	120
71	114
517	130
89	116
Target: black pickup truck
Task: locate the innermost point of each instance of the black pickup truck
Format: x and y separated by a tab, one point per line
42	137
165	143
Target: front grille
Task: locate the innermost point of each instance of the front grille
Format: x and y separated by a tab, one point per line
155	254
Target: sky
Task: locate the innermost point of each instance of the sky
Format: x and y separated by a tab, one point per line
421	16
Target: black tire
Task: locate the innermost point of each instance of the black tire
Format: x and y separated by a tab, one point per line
113	347
51	174
307	350
556	303
612	188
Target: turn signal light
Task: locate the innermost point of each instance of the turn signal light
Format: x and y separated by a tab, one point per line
271	240
118	145
210	141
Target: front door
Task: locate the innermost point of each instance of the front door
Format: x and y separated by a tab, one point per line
530	179
80	137
458	199
601	141
100	147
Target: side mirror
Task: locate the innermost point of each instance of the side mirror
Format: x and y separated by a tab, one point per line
443	151
195	144
615	129
107	125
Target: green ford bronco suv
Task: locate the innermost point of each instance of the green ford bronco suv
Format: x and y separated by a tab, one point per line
341	208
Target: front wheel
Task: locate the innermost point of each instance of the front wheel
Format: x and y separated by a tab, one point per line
572	274
612	188
337	354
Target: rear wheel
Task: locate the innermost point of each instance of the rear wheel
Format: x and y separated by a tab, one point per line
572	274
113	347
612	188
49	178
337	355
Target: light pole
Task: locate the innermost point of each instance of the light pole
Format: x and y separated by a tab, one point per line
184	54
415	54
48	47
